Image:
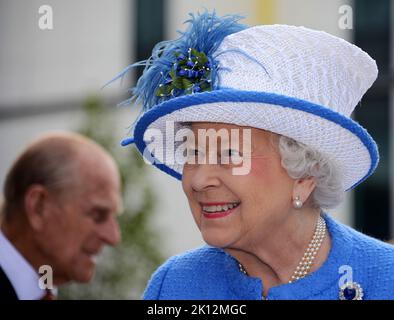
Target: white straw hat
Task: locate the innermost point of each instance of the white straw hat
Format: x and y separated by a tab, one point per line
289	80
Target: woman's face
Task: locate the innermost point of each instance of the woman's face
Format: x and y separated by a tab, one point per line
237	210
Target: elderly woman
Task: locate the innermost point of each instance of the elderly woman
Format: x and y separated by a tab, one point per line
281	97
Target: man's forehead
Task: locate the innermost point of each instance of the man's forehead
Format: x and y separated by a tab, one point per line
98	176
111	203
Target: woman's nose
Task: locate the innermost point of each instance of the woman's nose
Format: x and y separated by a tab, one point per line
205	177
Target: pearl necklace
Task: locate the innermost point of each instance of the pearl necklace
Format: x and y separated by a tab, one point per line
309	256
306	262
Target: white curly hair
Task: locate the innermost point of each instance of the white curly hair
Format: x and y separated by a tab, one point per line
301	161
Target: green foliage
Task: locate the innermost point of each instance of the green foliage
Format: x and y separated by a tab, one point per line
122	272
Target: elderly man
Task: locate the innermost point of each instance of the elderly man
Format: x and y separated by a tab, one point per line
61	198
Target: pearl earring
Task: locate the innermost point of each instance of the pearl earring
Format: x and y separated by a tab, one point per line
297	203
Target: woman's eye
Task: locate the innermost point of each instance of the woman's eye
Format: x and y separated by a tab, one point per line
231	153
193	155
231	156
193	152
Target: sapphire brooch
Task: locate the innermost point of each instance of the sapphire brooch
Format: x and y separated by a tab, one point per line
351	291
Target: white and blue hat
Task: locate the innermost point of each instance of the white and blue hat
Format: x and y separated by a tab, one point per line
293	81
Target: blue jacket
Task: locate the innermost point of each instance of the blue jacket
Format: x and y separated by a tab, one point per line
211	273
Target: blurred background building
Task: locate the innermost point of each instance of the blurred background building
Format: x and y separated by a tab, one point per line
47	75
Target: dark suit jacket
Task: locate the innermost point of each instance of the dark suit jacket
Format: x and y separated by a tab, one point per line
7	292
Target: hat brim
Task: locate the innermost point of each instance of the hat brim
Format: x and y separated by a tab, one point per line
329	132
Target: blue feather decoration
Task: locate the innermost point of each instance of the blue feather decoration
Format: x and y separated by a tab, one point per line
204	35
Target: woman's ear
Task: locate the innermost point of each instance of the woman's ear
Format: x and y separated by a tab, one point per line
303	188
36	205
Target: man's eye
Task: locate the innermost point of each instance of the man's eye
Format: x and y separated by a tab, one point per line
98	216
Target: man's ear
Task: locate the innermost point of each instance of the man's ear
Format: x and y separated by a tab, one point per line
36	205
303	188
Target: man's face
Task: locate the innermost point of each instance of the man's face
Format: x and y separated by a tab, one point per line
81	222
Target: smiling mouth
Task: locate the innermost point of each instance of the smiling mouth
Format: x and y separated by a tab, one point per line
218	210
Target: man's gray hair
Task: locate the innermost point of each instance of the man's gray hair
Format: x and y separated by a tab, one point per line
51	161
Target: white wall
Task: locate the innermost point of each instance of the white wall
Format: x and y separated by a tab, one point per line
88	45
178	11
315	14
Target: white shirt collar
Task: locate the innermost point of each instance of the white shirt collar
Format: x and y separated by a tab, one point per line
21	274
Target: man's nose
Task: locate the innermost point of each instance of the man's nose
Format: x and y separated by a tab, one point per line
110	232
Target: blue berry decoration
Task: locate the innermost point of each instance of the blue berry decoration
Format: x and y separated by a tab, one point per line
189	74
